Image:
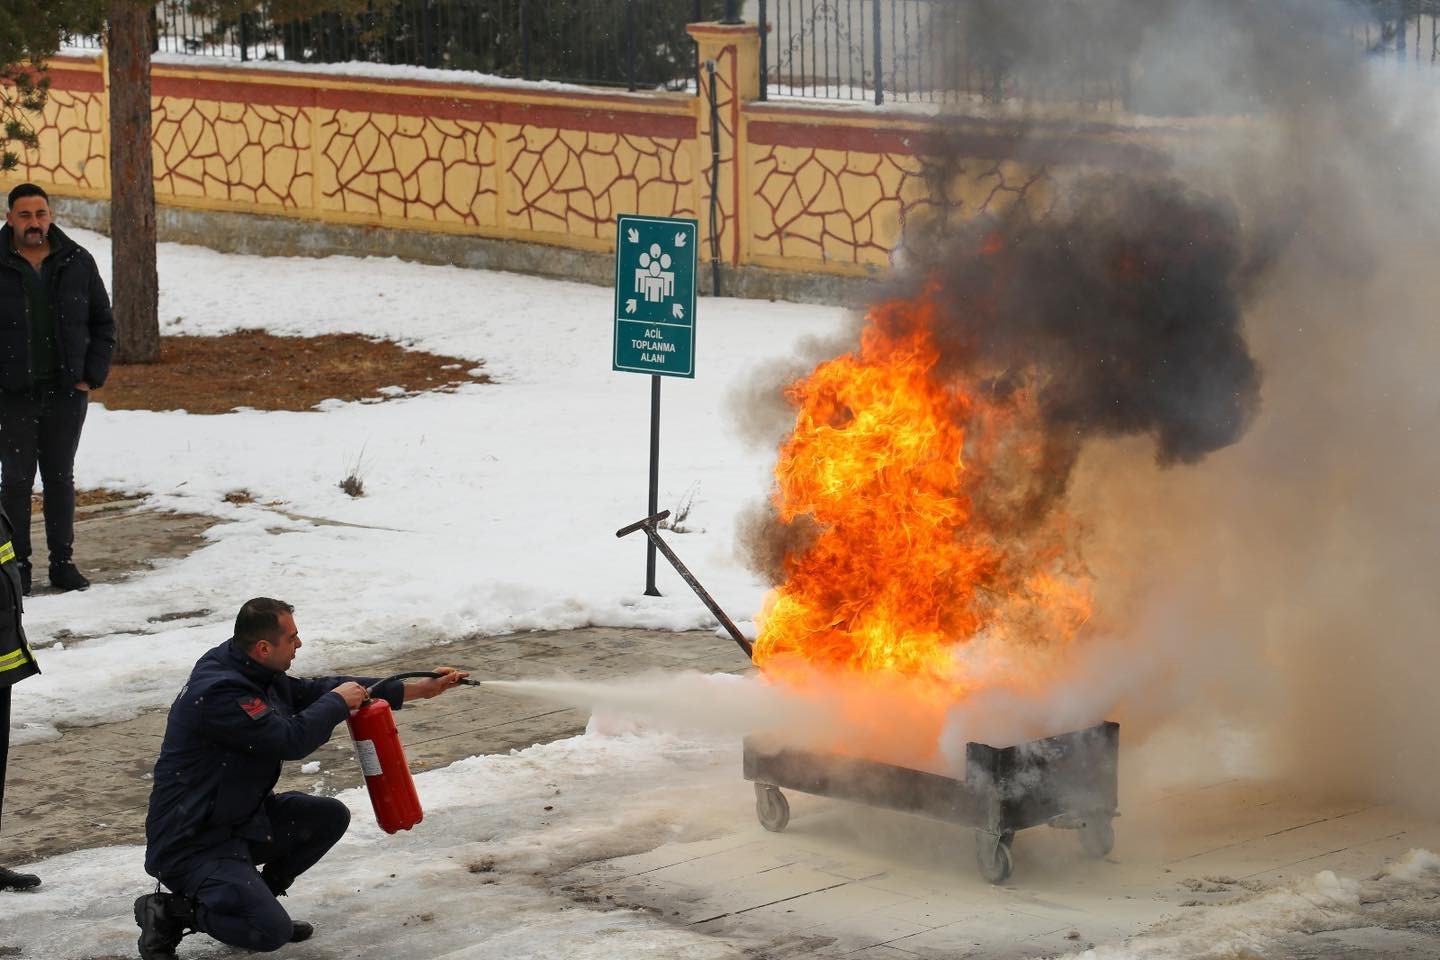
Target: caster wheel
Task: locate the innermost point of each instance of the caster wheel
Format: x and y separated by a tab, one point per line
771	807
1097	837
992	853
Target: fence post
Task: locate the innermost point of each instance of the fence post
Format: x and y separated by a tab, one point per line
764	26
879	58
524	43
427	35
244	36
732	12
630	43
695	18
1401	14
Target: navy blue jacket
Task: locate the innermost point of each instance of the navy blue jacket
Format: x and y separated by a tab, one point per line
84	325
229	731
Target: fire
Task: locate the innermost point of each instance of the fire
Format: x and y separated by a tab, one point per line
917	487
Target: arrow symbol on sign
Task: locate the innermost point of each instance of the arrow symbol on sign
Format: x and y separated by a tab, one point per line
677	311
632	235
679	239
630	305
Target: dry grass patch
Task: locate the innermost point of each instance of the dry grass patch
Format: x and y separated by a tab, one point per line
264	372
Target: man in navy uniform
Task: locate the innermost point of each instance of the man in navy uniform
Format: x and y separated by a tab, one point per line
217	835
16	663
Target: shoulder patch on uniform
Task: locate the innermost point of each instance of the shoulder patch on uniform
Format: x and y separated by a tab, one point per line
254	707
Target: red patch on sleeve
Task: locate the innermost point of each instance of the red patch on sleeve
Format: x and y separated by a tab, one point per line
254	707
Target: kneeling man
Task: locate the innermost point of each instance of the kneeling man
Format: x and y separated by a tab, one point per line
217	835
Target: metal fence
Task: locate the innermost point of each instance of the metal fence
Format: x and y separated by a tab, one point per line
957	51
925	51
631	43
908	51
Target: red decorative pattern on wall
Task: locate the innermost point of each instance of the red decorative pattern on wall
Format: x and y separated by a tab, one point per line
424	169
235	152
577	182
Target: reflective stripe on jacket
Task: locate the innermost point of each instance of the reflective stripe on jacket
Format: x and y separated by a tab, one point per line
16	660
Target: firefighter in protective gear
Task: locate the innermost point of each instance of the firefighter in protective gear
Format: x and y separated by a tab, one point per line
16	663
217	835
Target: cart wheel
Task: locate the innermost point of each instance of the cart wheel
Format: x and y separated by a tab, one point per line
992	853
771	807
1097	837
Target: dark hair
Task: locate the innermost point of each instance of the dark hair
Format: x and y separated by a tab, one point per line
23	191
259	619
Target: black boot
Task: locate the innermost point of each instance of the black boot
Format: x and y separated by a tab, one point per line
64	576
163	918
300	931
10	880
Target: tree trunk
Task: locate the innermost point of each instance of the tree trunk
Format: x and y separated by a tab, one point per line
136	286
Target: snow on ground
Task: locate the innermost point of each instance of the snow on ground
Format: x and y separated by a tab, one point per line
493	509
483	875
471	881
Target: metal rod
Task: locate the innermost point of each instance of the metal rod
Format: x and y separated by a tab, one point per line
764	53
524	43
714	183
732	12
879	54
648	525
699	83
630	43
654	502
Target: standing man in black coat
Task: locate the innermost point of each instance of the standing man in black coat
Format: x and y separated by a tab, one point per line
16	663
214	817
56	339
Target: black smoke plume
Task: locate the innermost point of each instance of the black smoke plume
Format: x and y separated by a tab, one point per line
1123	308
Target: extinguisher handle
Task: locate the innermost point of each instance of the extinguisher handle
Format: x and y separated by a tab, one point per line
413	674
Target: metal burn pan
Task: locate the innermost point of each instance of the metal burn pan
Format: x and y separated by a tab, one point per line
1069	781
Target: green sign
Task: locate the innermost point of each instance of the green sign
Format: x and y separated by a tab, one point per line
655	295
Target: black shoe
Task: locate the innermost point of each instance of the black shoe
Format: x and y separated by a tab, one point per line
301	931
64	576
25	577
10	880
163	918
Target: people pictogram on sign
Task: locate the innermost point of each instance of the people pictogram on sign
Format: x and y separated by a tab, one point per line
655	280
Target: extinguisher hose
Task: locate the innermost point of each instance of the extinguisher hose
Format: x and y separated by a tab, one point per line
413	674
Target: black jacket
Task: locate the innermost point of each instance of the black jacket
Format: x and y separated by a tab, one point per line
84	326
16	660
230	728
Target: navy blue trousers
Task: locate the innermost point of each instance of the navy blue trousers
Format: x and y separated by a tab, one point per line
236	903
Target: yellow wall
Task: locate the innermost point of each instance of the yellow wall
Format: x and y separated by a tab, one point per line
801	188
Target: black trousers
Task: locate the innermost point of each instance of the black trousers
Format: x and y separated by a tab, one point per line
234	902
41	427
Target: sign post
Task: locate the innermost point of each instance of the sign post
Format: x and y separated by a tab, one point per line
655	321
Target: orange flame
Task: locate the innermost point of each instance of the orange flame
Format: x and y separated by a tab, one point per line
912	481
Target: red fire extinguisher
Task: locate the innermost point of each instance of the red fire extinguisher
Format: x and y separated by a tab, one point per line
382	760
